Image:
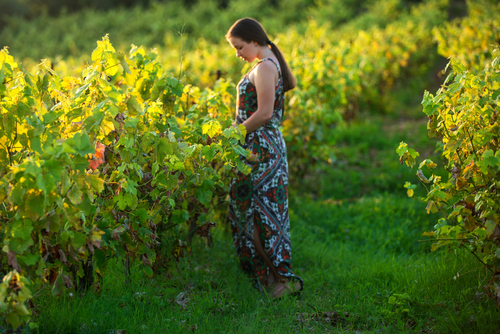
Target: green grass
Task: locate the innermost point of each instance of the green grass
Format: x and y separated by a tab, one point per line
366	161
356	249
359	258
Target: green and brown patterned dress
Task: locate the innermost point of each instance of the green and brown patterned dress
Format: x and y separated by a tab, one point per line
261	197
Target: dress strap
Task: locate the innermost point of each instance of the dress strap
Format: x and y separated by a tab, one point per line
271	59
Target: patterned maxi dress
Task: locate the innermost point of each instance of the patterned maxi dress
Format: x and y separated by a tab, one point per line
261	197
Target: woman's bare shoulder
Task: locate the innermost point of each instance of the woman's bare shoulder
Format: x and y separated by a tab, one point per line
267	65
266	68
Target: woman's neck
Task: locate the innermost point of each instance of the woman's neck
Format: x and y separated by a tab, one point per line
265	53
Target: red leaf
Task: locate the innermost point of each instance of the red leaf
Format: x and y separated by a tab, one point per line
98	157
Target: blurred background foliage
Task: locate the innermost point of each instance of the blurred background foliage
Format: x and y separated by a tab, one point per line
40	29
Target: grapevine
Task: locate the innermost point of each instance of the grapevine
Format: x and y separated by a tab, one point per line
104	165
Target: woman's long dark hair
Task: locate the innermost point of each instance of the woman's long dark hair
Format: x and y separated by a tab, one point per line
251	30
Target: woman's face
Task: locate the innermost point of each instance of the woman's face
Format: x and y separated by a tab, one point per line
246	51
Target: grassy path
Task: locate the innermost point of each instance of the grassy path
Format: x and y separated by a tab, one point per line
354	240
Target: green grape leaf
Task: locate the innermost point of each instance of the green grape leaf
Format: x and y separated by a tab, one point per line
142	215
17	194
34	204
242	167
99	259
204	195
490	227
82	89
81	144
147	271
29	259
58	285
495	94
33	168
80	163
55	168
124	199
175	85
54	222
22	229
124	63
75	195
19	246
402	149
133	106
97	183
209	152
430	107
488	159
45	183
164	148
240	150
13	319
51	116
78	240
158	88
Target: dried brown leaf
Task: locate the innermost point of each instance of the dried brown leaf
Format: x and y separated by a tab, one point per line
67	281
182	300
12	260
145	260
204	230
62	256
90	247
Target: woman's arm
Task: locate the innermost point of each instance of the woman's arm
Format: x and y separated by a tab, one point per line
264	82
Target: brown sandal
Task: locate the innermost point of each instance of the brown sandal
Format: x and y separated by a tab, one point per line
282	287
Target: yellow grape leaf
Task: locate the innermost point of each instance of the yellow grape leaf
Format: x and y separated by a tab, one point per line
212	128
189	165
75	195
469	167
102	47
6	58
429	163
461	183
107	126
431	207
470	223
96	237
97	183
106	53
410	192
243	130
429	234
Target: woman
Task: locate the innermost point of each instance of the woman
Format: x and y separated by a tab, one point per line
258	202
